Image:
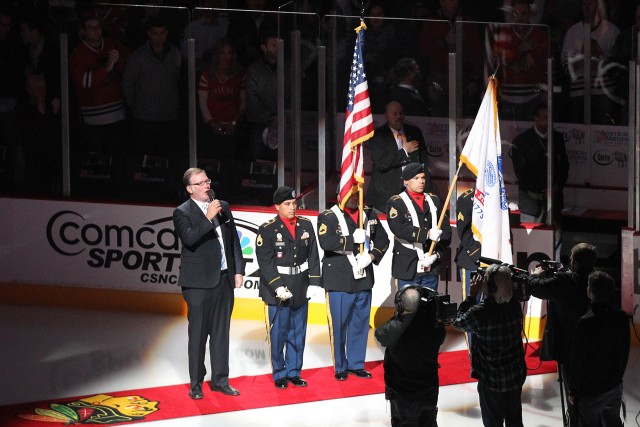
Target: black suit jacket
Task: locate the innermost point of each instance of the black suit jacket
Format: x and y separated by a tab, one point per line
411	101
201	255
529	155
387	162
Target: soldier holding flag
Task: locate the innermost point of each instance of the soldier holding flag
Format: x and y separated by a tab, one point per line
350	234
413	219
347	276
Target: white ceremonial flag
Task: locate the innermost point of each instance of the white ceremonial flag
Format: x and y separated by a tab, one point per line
482	153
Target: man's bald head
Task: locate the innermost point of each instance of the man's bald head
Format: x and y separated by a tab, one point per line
394	114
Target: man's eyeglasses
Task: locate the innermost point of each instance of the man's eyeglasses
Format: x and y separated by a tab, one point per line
201	183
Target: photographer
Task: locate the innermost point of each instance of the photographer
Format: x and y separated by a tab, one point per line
412	340
566	292
497	354
600	355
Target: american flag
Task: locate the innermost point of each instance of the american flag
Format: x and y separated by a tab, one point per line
358	126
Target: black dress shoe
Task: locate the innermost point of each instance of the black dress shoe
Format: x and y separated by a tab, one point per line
297	381
225	389
341	376
281	383
196	392
361	373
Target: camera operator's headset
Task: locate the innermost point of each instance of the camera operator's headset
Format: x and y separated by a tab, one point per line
397	302
491	285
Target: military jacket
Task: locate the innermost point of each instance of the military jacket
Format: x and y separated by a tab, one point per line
405	260
337	271
276	247
469	250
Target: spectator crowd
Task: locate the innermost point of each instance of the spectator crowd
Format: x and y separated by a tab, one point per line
129	93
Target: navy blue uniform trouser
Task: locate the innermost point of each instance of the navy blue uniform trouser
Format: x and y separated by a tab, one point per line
349	328
287	338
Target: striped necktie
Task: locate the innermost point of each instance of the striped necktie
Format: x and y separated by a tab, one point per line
399	139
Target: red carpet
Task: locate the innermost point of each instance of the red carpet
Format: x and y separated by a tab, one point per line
159	403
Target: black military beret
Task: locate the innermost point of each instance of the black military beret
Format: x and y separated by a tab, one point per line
411	170
282	194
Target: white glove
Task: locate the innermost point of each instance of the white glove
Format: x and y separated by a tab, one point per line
312	291
363	260
283	293
359	235
434	234
428	261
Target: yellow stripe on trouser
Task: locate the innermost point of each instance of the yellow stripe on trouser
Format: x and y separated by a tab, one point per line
267	326
463	280
330	322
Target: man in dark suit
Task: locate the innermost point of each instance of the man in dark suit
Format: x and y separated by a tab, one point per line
413	219
529	154
287	253
347	277
211	266
393	146
600	355
406	78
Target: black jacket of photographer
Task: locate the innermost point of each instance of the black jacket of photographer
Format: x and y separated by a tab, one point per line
566	292
411	357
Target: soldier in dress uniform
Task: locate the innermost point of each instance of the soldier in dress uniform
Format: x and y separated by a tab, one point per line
287	255
468	252
347	277
413	219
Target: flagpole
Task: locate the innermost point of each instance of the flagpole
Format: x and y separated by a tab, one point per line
359	127
493	76
482	154
360	186
445	206
361	212
453	183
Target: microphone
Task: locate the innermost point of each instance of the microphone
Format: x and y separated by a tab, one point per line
222	217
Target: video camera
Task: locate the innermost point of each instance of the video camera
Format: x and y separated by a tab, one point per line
438	307
551	266
519	277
